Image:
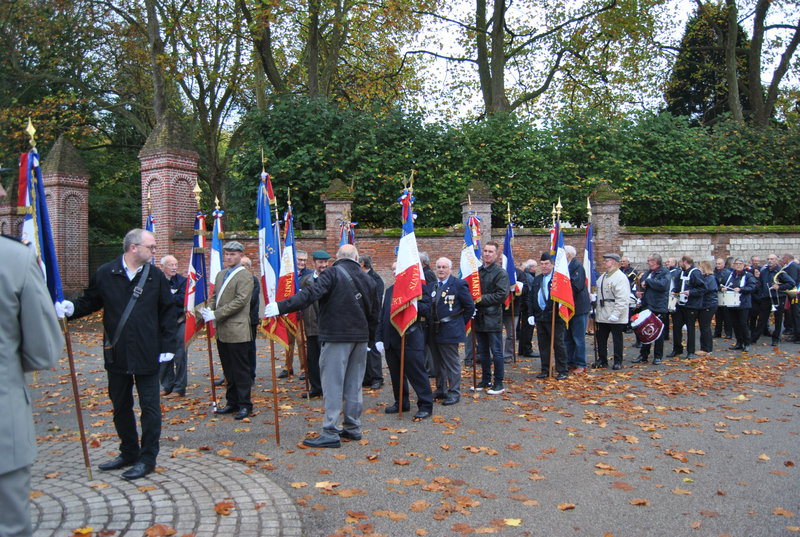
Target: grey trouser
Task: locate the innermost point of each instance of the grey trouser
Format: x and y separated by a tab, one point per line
448	368
15	513
341	368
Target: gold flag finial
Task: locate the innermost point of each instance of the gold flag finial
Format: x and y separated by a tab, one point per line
589	207
31	132
263	162
289	196
216	203
197	190
559	207
509	211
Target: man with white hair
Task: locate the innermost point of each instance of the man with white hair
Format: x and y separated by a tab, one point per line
348	318
172	374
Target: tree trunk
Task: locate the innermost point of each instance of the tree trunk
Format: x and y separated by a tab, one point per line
731	65
263	44
260	87
484	70
156	50
760	116
313	48
498	65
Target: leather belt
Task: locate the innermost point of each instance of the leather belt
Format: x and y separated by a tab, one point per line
449	318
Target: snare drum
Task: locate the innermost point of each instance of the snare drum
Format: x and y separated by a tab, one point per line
673	302
729	299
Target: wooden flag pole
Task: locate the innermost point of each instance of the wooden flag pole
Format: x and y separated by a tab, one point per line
402	379
275	393
513	323
197	190
77	396
474	359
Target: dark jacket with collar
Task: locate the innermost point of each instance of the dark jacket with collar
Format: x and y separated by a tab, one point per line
577	277
747	284
710	296
415	334
151	326
494	290
656	290
541	315
342	317
453	303
255	302
766	279
177	286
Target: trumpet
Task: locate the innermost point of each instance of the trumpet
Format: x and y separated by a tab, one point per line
791	293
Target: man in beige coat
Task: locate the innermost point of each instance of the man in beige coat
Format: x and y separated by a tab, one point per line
231	316
30	339
613	294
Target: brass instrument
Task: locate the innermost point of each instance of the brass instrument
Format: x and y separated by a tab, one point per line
791	293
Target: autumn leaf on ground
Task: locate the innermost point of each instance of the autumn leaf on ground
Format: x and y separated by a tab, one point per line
346	493
159	530
710	514
38	493
681	491
639	501
224	508
783	512
298	484
513	521
146	488
763	457
621	485
327	485
401	462
566	506
419	505
83	531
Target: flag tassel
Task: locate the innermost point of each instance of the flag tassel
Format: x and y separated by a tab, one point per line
77	396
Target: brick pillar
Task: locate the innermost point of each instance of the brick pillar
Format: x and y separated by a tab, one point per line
168	163
338	201
605	221
481	197
66	183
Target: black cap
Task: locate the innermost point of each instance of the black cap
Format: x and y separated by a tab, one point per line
546	257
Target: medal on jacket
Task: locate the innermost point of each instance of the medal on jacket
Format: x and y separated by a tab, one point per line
449	299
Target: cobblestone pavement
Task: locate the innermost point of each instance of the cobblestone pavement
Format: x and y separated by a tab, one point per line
177	495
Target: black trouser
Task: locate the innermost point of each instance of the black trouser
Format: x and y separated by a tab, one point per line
658	345
683	316
763	320
525	335
236	366
251	352
794	313
413	371
374	370
741	330
754	314
704	317
120	390
544	332
616	330
312	362
723	323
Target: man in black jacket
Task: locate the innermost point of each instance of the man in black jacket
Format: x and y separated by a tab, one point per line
792	268
772	283
689	287
348	317
489	319
551	327
147	338
373	375
655	285
173	372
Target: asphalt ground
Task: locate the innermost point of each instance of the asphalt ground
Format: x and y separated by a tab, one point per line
701	447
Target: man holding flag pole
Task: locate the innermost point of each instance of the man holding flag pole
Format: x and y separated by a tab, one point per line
469	267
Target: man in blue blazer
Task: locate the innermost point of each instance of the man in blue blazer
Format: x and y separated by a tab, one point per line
452	307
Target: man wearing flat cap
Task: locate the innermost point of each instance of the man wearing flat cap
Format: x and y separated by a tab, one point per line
540	305
613	295
230	311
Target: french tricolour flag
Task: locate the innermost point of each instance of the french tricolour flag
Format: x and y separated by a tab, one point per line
408	274
269	256
561	288
470	264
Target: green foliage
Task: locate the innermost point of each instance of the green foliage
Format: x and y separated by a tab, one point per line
665	170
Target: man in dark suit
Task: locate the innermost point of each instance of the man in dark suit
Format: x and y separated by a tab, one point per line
540	303
388	340
231	315
373	374
173	373
575	333
792	268
452	308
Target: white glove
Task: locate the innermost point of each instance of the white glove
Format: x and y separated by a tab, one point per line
613	318
379	346
271	310
592	297
532	320
166	356
65	308
208	314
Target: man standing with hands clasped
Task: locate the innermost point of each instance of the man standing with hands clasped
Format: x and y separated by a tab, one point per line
139	327
231	315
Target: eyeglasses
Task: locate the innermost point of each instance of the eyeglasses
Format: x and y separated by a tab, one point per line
152	247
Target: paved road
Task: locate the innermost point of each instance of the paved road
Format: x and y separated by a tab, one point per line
707	447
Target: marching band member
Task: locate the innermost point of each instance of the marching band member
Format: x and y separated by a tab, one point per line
744	283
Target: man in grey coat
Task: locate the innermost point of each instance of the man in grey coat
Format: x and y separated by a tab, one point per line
30	340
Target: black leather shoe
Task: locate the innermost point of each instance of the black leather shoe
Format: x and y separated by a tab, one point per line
219	382
451	400
600	365
347	435
284	374
227	409
394	409
322	442
639	360
242	414
311	395
439	397
673	354
376	385
562	376
616	366
542	376
690	356
138	470
737	347
116	464
421	415
302	376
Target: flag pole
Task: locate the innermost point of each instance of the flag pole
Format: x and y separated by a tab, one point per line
402	378
513	324
31	131
556	215
197	190
271	341
474	336
591	267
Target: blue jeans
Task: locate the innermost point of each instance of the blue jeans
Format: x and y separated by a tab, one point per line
575	340
491	342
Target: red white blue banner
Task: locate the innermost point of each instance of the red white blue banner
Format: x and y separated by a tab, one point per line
408	273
